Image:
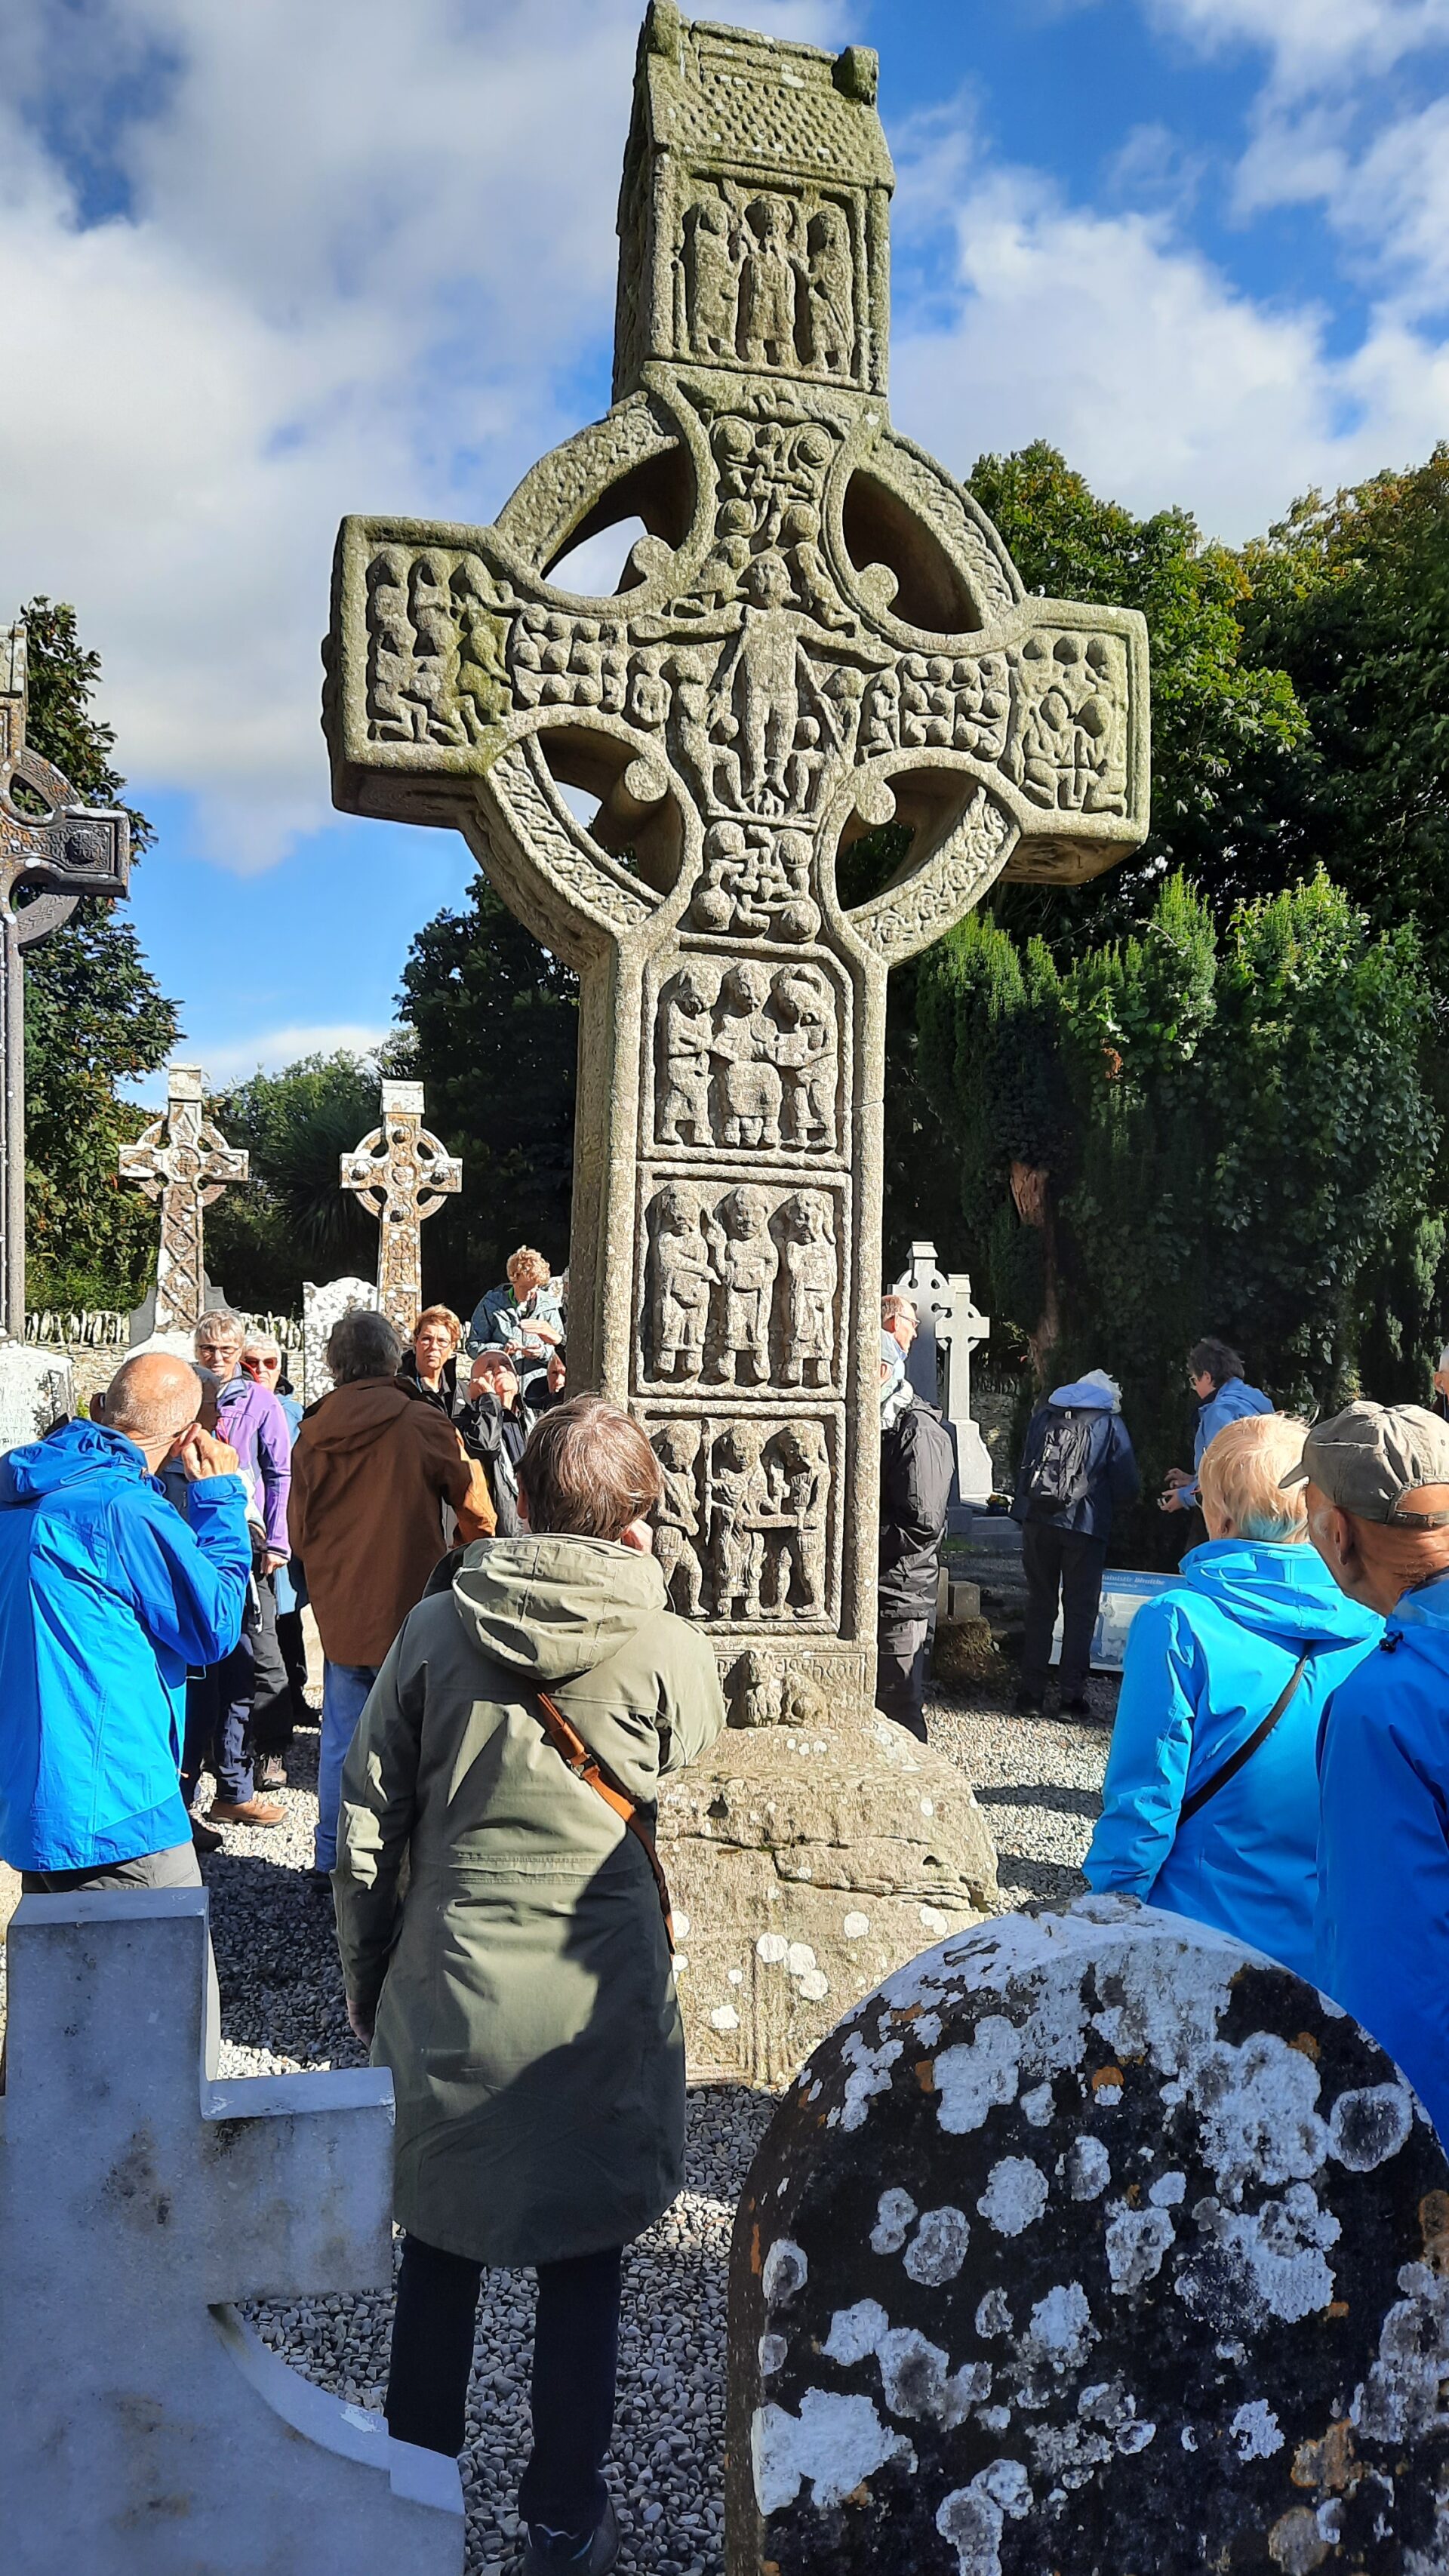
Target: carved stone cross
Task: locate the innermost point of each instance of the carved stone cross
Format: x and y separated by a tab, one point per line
402	1174
184	1161
47	841
819	631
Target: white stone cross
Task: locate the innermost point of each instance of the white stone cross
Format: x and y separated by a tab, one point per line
947	1320
184	1161
144	2428
402	1173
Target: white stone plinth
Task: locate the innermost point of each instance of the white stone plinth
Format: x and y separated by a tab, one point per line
144	2429
321	1309
35	1392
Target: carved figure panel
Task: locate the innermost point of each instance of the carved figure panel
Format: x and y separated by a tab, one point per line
749	1056
741	1286
744	1531
770	282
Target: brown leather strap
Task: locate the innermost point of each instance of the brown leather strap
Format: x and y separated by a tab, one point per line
566	1740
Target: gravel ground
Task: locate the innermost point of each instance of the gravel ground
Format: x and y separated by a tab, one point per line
282	2008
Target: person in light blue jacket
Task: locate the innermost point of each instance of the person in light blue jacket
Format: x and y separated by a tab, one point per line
1255	1625
106	1595
1378	1511
1215	1375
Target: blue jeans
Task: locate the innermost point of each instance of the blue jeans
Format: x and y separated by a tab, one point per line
344	1696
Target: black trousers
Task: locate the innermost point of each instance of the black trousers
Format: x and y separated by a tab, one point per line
272	1716
1065	1563
218	1722
575	2365
294	1656
902	1651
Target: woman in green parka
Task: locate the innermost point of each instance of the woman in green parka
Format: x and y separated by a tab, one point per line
516	1977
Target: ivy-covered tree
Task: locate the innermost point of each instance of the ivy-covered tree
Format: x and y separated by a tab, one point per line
94	1016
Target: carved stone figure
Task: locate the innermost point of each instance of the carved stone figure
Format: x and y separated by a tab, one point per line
676	1516
745	1265
810	1276
797	1482
757	1692
755	695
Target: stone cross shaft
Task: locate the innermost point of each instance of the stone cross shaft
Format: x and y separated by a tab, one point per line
144	2428
54	850
402	1174
184	1161
818	632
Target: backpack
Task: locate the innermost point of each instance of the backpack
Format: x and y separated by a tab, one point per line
1060	1477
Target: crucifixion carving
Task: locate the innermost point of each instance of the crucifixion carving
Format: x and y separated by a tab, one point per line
818	632
185	1162
401	1173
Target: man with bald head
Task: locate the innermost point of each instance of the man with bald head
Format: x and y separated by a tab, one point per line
1378	1514
107	1593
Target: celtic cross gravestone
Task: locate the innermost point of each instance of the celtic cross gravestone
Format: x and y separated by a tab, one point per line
818	631
402	1174
185	1162
55	850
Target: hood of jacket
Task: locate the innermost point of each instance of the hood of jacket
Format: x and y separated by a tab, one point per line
1425	1611
1233	1401
79	1450
355	1415
1087	1393
555	1607
1281	1591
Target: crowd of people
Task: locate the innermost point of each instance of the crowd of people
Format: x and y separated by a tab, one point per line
505	1684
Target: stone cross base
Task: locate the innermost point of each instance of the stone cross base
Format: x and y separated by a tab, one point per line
1091	2241
144	2429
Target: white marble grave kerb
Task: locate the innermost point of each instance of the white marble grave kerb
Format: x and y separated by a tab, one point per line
184	1161
144	2428
821	631
948	1330
36	1392
402	1173
321	1309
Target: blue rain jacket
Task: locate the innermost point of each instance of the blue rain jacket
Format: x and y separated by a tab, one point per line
1382	1922
1205	1662
1233	1401
106	1595
1112	1470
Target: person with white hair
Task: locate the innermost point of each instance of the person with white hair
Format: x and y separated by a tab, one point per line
1077	1468
1211	1802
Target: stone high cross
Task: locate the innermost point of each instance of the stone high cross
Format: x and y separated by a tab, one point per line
145	2430
47	841
184	1161
402	1173
819	631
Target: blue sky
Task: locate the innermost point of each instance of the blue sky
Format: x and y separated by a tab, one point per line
265	265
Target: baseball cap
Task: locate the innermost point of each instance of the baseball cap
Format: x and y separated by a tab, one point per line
1369	1456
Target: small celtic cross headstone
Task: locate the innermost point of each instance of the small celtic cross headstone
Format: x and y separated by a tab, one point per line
184	1161
55	850
402	1174
819	631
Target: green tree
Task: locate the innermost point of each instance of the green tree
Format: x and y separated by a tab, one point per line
293	1222
495	1026
94	1016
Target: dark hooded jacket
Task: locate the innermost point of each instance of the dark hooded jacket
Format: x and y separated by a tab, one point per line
917	1464
372	1469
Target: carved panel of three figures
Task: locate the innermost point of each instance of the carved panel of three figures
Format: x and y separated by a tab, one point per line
742	1287
769	282
749	1057
740	1531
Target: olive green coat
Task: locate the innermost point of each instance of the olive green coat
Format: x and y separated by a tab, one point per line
518	1965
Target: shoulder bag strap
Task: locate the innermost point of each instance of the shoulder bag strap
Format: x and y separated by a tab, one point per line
1229	1770
566	1740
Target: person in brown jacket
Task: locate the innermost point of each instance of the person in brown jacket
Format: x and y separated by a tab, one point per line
372	1467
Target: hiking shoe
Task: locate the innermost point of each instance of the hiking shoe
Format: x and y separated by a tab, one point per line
272	1772
1026	1706
203	1840
546	2551
1077	1706
252	1811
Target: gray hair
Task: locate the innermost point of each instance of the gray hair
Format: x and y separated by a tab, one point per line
223	1320
262	1343
363	1343
895	1302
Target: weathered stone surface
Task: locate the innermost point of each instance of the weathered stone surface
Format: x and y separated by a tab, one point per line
35	1392
402	1174
185	1162
820	631
321	1309
949	1330
806	1860
1092	2245
144	2429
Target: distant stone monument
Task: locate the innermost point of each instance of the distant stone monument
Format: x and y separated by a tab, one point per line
321	1309
402	1174
948	1331
1092	2242
820	631
144	2428
184	1161
48	842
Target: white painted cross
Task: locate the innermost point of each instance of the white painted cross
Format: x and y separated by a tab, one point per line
144	2428
948	1320
402	1173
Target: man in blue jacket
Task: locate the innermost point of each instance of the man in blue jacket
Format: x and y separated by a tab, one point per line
1076	1467
1215	1374
106	1595
1378	1514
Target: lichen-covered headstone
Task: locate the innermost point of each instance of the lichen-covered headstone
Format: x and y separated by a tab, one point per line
1092	2245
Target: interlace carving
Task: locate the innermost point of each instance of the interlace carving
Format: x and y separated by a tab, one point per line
402	1174
183	1160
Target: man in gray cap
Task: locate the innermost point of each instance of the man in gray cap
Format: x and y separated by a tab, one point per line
1378	1514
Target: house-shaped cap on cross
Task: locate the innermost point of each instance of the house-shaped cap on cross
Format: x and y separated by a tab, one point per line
818	632
144	2428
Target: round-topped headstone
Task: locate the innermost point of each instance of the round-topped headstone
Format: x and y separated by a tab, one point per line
1092	2244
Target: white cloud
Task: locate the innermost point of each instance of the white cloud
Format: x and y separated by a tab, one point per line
229	1060
1312	44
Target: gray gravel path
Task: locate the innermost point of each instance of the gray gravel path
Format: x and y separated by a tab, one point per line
282	2008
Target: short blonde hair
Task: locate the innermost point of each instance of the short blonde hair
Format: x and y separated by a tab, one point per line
1241	1476
440	1315
526	1252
